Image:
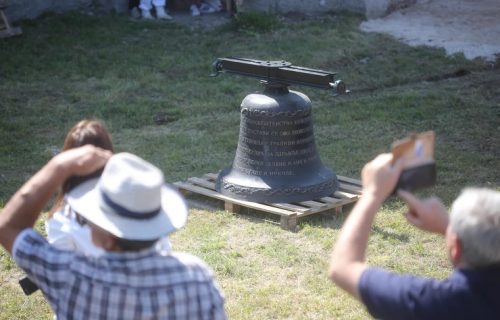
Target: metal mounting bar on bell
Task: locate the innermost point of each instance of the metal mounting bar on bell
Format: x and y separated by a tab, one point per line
279	72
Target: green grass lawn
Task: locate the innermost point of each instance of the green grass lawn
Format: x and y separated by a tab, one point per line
69	67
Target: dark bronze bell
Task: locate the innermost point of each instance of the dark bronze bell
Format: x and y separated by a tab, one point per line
276	159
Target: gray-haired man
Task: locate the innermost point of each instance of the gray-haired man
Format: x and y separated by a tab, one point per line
473	242
128	208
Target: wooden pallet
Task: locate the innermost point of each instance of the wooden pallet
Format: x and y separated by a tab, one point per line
349	192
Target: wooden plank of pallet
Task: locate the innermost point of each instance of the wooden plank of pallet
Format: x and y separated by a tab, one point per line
212	176
211	186
202	182
312	204
232	207
349	191
289	222
329	200
349	180
331	203
344	195
307	206
291	207
248	204
350	188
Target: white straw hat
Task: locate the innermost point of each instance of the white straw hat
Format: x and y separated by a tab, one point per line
130	200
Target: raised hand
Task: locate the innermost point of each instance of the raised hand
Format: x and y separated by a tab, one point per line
83	160
380	176
427	214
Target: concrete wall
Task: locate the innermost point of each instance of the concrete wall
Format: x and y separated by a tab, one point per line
369	8
303	6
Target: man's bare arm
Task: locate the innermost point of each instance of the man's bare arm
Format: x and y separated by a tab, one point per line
22	210
348	257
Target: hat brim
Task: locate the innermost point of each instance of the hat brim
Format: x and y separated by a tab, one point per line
85	199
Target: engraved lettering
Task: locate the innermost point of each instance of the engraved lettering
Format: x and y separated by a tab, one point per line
280	123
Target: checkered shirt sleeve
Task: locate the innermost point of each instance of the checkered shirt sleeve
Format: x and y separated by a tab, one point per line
46	266
142	285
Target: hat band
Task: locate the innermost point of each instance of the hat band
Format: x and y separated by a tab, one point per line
124	212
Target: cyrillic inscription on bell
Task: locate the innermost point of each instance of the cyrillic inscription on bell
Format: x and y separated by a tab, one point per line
276	159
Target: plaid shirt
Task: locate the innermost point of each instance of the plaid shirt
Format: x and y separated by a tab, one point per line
130	285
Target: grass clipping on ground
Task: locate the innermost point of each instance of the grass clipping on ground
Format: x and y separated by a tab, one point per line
149	82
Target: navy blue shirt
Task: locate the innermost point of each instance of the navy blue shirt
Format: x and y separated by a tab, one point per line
466	294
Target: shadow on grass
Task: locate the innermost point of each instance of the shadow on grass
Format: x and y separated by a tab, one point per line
390	234
327	220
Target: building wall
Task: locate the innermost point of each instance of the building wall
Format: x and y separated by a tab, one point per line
369	8
304	6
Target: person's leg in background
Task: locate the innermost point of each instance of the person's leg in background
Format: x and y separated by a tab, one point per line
234	7
238	6
133	8
147	5
195	7
160	6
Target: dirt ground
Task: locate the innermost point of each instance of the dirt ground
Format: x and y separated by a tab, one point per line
468	26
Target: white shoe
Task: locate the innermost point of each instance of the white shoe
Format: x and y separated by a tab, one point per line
146	15
194	10
161	14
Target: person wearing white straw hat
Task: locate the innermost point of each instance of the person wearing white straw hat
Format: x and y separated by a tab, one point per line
128	209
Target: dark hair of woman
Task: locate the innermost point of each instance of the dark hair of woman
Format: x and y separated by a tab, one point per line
84	132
